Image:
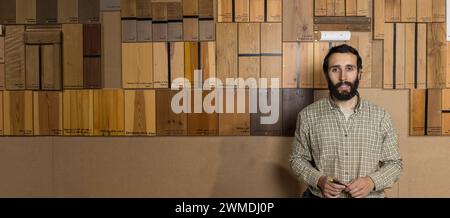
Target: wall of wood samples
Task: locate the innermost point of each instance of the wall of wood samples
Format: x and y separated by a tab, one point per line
105	67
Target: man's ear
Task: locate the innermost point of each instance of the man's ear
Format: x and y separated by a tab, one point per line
359	74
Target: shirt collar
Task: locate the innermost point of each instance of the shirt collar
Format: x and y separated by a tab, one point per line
333	104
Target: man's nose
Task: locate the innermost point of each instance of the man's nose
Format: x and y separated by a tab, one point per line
343	76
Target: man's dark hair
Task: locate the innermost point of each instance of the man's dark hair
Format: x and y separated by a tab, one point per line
344	48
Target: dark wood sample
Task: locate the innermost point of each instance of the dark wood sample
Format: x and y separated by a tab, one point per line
294	100
169	123
267	124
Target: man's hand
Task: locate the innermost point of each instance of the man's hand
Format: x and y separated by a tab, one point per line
360	187
330	190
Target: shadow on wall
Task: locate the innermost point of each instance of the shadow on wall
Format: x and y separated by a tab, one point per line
247	171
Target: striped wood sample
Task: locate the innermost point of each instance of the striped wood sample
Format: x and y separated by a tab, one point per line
298	20
109	112
271	53
298	65
392	10
249	42
169	123
160	65
408	10
92	74
417	112
89	11
294	100
256	119
47	110
434	112
78	112
320	51
18	113
111	50
72	56
67	11
176	63
234	122
424	11
225	11
191	61
201	123
140	112
437	55
47	11
227	51
208	61
137	65
25	11
14	57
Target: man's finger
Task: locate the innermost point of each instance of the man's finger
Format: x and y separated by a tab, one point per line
359	194
337	186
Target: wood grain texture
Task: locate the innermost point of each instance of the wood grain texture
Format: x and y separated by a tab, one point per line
32	67
242	10
68	11
143	8
140	112
331	11
2	76
190	29
400	57
207	30
109	113
160	65
294	100
129	30
298	20
257	128
437	55
46	11
18	113
201	123
257	11
227	50
208	61
439	11
89	11
14	58
78	112
388	81
169	123
206	8
128	8
320	8
249	42
234	122
408	11
446	124
417	112
271	53
25	11
410	55
2	49
160	31
392	10
137	65
110	5
425	14
176	63
298	65
175	17
175	31
434	112
72	55
111	50
1	111
362	41
92	38
378	19
377	58
92	73
350	8
224	11
144	30
8	11
448	67
320	51
191	61
446	99
274	11
446	112
421	56
48	113
339	8
51	75
363	8
190	7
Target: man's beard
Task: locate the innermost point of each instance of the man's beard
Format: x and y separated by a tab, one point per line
344	95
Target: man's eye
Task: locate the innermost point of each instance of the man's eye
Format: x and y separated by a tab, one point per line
334	70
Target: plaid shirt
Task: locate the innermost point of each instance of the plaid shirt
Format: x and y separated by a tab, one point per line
326	144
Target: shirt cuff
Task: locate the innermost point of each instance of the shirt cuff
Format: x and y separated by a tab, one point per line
313	178
377	180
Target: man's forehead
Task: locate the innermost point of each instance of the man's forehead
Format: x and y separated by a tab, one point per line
343	57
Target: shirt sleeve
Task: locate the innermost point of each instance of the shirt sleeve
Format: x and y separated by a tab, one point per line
391	165
301	160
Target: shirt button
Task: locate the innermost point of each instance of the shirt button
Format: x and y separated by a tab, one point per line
346	135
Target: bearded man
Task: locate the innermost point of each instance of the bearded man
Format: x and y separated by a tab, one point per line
345	146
